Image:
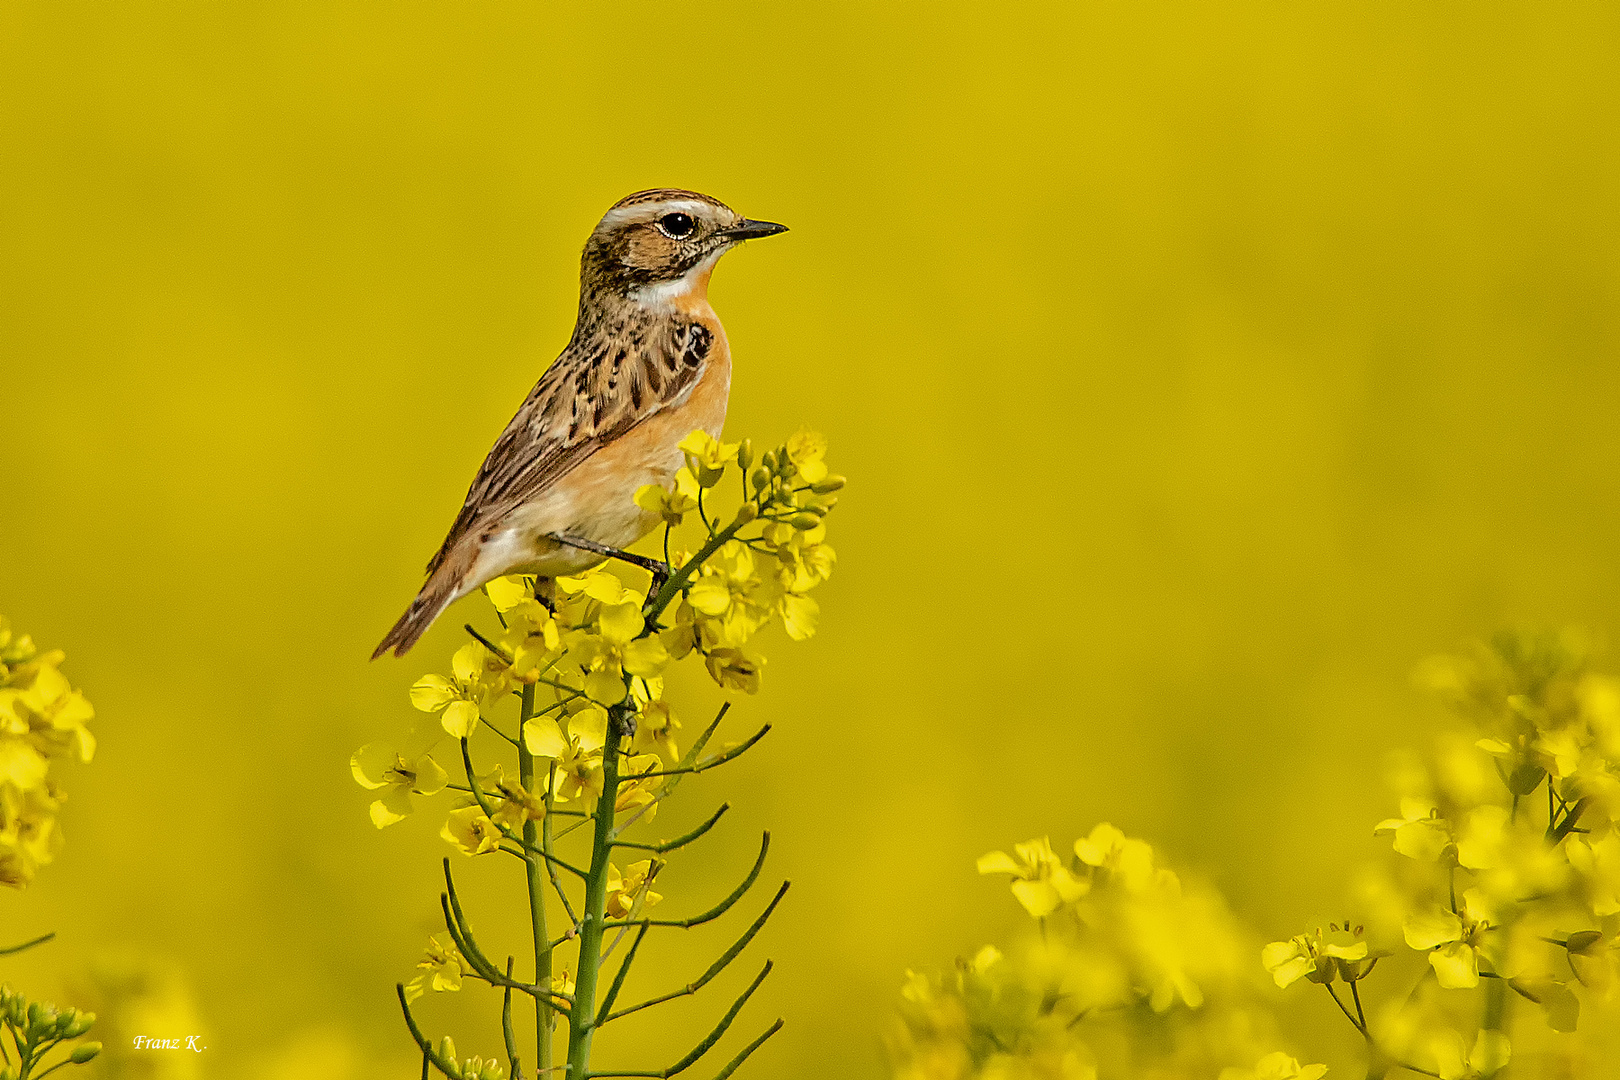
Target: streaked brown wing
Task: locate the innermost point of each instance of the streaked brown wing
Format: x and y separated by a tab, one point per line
598	390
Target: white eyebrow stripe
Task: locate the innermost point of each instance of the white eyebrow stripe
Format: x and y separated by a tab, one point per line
650	210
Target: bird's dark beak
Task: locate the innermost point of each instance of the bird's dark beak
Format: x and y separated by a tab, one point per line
749	229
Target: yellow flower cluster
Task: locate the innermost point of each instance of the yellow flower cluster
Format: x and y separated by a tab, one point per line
1507	882
759	573
585	644
42	718
1133	973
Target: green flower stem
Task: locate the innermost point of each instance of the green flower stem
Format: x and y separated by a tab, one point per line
678	580
537	897
582	1017
506	1024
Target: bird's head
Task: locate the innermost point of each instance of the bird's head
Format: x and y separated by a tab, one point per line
663	243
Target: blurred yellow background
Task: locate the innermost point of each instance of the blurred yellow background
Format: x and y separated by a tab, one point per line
1229	358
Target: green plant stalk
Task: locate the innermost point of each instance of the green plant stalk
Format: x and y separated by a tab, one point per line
537	898
679	579
582	1018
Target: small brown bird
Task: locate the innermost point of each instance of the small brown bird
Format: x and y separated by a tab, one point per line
647	365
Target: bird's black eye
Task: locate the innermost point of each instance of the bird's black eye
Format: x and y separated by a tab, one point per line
677	226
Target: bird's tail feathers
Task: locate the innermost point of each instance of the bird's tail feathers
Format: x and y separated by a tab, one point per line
437	594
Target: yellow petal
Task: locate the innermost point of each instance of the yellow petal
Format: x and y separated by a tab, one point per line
432	693
1421	840
459	719
589	728
710	595
468	662
999	862
605	686
645	657
799	615
370	763
543	738
1038	897
507	593
392	807
1095	849
1429	929
620	623
1456	966
430	776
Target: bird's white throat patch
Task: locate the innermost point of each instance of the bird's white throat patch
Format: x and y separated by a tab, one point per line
665	293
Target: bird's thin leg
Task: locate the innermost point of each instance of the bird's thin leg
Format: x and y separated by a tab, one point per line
659	570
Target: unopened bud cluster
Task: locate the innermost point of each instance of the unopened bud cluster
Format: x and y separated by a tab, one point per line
35	1028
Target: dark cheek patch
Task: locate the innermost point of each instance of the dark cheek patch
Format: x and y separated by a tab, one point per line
648	250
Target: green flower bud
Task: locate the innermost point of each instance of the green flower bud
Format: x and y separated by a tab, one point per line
65	1021
804	522
447	1053
36	1009
745	454
759	478
830	484
84	1052
492	1071
745	513
81	1024
768	462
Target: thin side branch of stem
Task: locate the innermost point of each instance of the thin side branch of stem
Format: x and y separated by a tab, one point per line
704	766
714	969
679	842
42	939
713	913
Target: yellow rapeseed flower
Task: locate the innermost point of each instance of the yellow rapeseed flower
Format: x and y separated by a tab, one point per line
1040	882
629	893
477	678
440	970
470	829
379	767
1420	832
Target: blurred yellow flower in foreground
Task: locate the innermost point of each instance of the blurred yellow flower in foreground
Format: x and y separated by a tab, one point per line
1040	881
1276	1066
42	718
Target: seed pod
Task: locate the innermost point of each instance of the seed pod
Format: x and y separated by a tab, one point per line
84	1052
745	454
830	484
